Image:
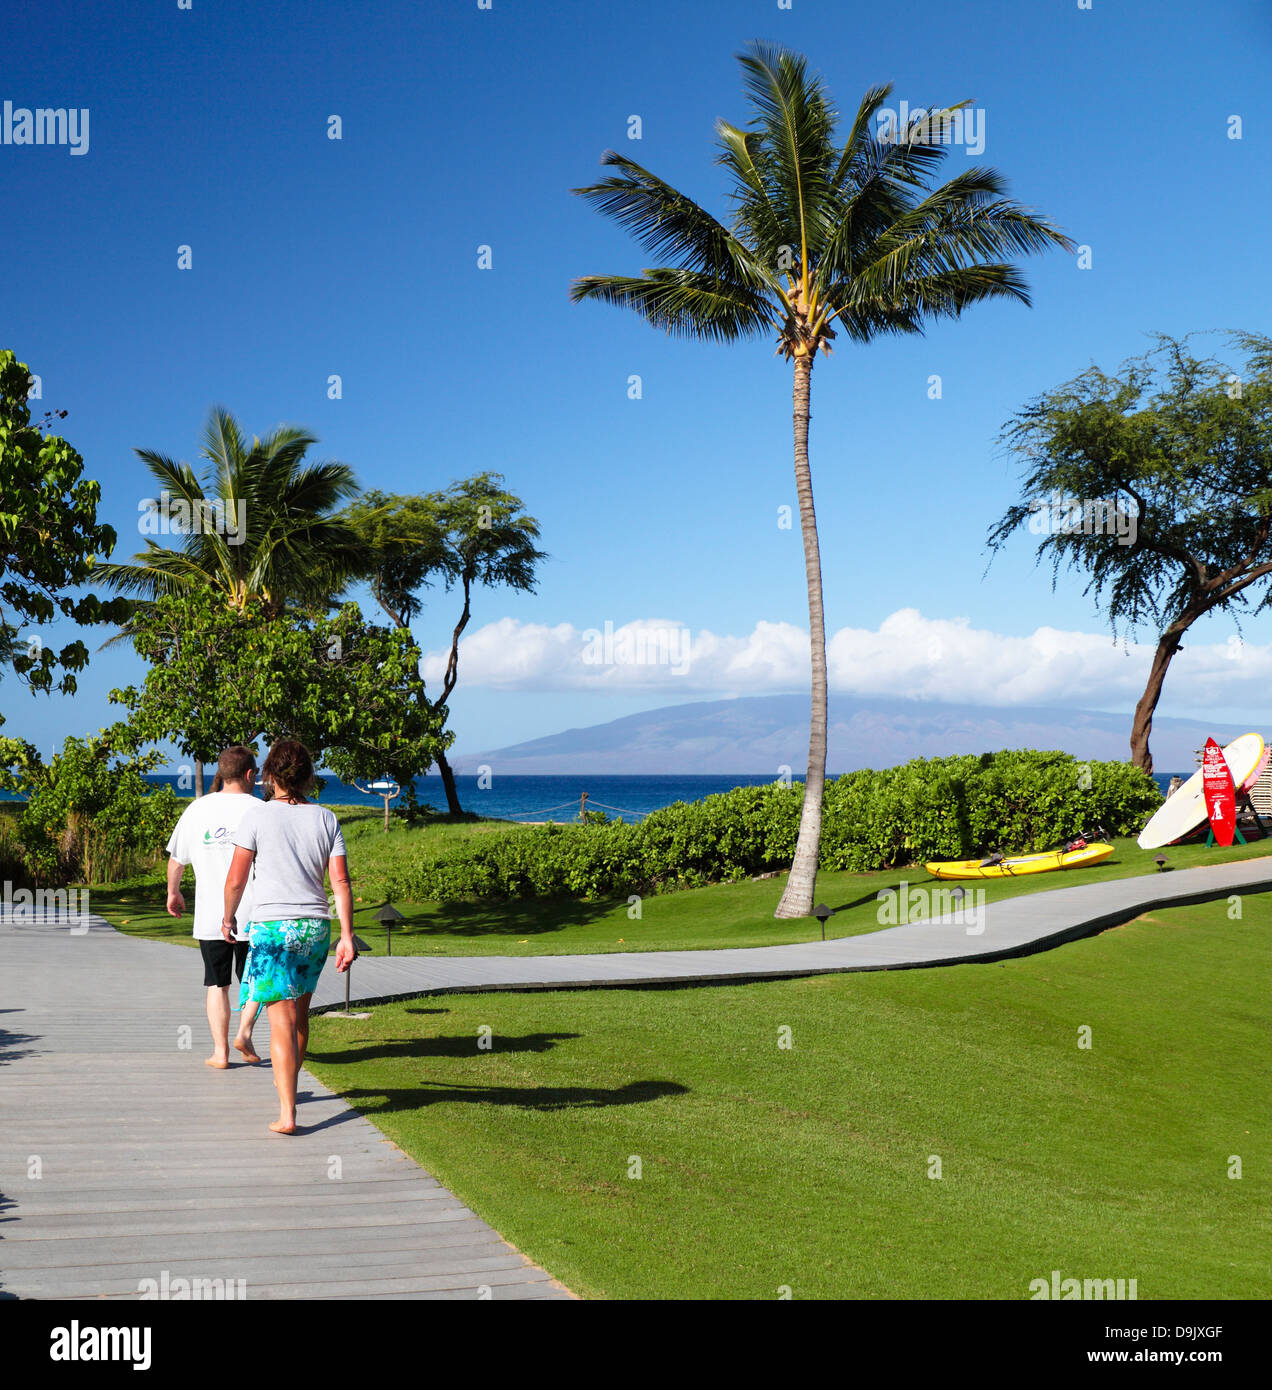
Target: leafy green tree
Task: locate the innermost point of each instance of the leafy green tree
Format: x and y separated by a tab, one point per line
473	534
89	814
50	540
262	524
823	239
1156	482
349	690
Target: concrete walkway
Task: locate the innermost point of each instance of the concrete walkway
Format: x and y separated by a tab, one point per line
1015	927
124	1159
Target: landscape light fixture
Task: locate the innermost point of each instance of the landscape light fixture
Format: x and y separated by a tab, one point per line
358	945
389	917
1160	861
822	912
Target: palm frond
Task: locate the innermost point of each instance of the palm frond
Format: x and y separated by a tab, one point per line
969	217
317	488
222	443
175	478
860	146
684	302
797	125
822	237
156	570
755	218
666	221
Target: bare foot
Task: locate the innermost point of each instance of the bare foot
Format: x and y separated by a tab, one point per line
220	1063
282	1127
246	1048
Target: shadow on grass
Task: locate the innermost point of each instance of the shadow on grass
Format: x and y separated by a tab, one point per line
383	1102
509	917
857	902
465	1046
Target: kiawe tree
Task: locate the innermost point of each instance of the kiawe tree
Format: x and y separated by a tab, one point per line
474	534
1156	482
823	239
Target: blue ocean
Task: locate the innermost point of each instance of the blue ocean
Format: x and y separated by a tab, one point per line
550	797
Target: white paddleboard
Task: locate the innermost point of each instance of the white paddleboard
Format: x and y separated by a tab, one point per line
1186	810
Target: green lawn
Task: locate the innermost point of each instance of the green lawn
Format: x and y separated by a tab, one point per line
808	1167
739	914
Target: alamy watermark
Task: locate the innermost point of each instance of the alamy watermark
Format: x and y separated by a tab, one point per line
166	515
1094	1289
1061	515
177	1288
42	905
46	125
907	903
71	1342
965	125
641	646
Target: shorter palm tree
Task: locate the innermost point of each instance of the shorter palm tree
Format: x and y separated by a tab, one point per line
262	523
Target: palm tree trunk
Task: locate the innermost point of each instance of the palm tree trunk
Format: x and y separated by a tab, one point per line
797	900
448	782
198	777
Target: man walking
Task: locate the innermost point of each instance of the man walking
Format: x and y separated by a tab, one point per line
204	838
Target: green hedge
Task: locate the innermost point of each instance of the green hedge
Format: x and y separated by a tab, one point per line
932	808
961	807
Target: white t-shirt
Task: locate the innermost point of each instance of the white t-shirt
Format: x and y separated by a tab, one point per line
204	839
293	845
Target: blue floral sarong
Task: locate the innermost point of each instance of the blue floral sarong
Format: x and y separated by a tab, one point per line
286	959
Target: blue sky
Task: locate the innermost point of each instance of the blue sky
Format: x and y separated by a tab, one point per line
465	127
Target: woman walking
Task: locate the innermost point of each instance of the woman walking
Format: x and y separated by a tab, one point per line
293	843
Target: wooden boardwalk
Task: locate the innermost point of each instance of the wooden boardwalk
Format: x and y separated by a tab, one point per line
1014	927
124	1159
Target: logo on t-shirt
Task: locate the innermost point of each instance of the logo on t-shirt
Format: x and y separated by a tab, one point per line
210	836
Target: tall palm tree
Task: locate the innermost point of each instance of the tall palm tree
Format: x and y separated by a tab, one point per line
262	523
822	239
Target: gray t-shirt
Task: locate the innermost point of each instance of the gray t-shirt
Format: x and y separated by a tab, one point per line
292	844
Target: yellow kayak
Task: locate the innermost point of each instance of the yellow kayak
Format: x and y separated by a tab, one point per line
1023	864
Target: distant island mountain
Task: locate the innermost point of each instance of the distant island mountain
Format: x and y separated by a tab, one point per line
759	734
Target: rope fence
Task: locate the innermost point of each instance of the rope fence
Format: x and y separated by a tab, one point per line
584	803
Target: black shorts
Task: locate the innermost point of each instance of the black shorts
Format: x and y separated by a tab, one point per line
217	959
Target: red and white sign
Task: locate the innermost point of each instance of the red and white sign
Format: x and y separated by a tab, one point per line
1221	796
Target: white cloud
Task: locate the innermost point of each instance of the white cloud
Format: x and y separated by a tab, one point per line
908	655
